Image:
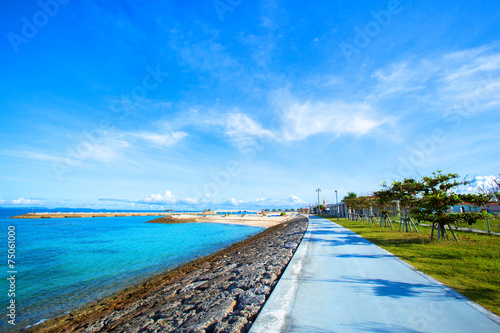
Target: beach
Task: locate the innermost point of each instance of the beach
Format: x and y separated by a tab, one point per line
222	292
254	220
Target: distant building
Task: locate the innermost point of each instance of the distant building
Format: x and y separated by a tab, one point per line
492	207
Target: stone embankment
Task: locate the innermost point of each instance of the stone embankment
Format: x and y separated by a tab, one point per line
220	293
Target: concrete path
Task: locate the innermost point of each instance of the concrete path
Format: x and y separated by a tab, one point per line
338	281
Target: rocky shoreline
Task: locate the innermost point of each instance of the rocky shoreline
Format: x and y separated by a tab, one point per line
223	292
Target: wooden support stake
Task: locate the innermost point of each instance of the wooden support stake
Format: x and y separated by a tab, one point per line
453	233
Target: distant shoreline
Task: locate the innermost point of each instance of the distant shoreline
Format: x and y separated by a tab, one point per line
93	214
254	220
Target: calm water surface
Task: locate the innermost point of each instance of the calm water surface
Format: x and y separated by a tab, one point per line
65	263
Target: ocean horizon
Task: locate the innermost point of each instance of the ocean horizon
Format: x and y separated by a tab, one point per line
62	264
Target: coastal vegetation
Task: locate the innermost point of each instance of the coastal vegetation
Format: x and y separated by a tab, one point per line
471	266
429	199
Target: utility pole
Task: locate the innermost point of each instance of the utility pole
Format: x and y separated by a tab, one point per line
337	199
318	190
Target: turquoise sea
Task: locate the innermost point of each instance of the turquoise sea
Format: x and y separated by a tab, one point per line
62	264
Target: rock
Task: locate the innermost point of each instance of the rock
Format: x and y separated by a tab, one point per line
204	320
250	298
263	290
192	286
234	324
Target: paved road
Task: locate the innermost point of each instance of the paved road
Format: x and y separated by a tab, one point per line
339	282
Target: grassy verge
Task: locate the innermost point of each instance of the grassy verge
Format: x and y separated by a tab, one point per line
470	266
482	225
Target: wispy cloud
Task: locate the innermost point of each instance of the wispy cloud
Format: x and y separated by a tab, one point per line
301	119
243	130
402	78
160	139
105	150
467	79
204	52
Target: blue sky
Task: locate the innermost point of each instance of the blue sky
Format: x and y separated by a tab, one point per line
241	104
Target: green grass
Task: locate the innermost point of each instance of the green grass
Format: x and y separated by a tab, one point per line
481	225
470	266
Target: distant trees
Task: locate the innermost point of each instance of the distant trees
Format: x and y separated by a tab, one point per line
431	199
321	209
404	195
350	195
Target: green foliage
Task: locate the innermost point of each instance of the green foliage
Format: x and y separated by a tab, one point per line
283	214
439	195
431	198
350	195
405	192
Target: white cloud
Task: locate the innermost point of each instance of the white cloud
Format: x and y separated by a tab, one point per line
472	81
106	152
301	119
402	77
260	203
235	202
296	199
160	198
243	130
22	201
106	148
467	81
168	199
32	155
161	140
480	183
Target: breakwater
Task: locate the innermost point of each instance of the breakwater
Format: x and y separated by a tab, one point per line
223	292
96	214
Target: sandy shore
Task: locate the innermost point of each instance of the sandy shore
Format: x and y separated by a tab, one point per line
249	220
254	220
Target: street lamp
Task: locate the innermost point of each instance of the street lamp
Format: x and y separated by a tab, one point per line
337	199
318	190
